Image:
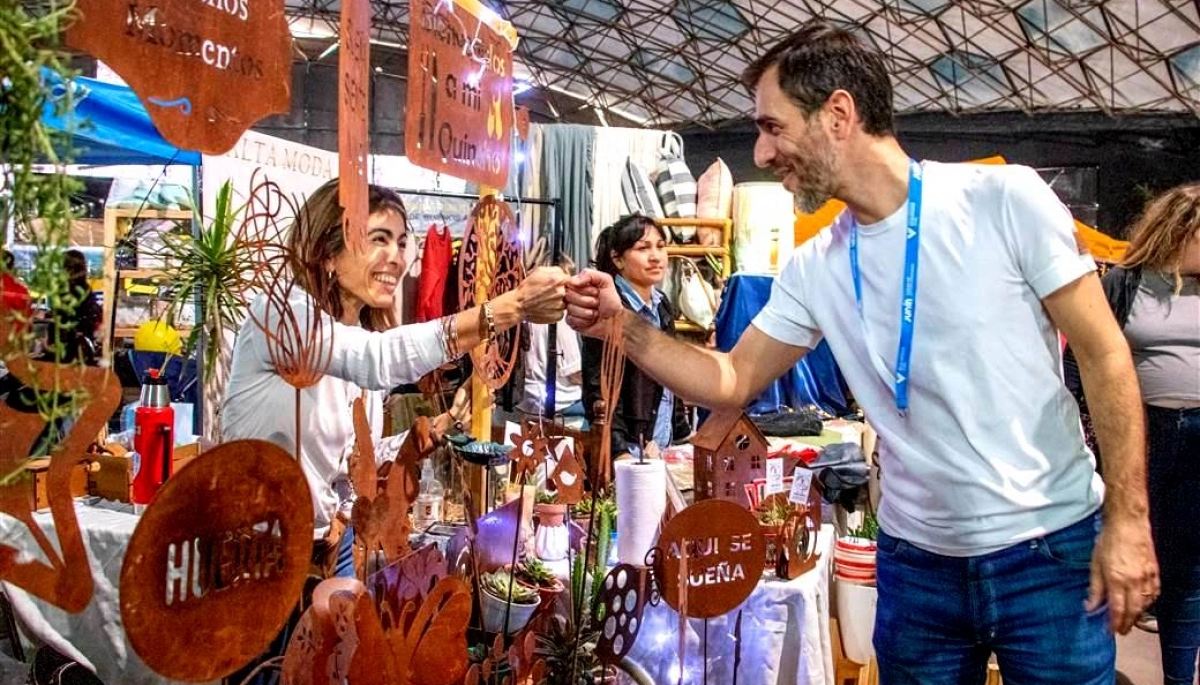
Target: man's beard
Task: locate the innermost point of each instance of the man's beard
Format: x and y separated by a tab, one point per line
817	186
809	200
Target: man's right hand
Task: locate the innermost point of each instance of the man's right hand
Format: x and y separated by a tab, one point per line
592	299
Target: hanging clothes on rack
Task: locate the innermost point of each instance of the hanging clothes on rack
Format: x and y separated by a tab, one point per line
435	266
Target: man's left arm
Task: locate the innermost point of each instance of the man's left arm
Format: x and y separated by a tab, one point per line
1124	568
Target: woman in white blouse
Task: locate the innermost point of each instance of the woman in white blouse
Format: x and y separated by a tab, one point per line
355	290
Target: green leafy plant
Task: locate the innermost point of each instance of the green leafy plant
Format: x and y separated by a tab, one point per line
533	571
606	506
501	584
869	530
213	270
774	511
544	497
29	37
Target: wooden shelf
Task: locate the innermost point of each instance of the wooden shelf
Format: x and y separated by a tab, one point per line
148	213
686	326
142	273
696	250
695	221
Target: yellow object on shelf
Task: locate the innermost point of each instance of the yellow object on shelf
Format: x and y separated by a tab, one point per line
157	336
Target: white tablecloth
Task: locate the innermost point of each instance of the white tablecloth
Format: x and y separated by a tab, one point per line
94	637
785	634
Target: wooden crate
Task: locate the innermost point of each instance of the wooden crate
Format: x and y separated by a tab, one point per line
39	471
111	476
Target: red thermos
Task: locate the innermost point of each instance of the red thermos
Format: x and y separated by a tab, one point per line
154	439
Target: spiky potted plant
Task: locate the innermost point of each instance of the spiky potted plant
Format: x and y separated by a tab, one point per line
502	595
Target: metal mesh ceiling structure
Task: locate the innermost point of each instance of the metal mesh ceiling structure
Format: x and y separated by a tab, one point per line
677	62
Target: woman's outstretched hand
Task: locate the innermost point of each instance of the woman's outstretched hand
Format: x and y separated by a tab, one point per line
592	299
541	295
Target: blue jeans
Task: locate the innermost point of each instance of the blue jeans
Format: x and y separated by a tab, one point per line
1174	484
939	618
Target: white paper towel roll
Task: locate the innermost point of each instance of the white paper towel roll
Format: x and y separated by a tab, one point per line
641	501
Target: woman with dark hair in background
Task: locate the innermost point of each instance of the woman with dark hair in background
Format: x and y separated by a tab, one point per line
355	291
1155	295
74	322
633	250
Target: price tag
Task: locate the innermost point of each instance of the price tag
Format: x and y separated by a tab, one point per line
801	484
774	475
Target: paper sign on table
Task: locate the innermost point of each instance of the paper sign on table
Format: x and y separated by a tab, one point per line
801	484
774	475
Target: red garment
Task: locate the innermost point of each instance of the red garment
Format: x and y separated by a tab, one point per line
14	297
435	269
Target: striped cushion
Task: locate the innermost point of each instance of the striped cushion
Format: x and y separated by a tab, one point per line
676	185
638	192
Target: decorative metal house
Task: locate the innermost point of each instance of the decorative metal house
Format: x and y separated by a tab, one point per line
729	457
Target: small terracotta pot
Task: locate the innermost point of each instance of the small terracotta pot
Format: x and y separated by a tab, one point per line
551	515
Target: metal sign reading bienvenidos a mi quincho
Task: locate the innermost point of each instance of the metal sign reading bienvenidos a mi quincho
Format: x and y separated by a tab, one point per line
459	112
205	70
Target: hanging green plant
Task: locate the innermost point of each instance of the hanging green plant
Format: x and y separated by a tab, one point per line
37	204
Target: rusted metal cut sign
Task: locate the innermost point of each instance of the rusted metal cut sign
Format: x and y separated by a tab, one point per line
231	531
354	74
459	114
205	70
725	556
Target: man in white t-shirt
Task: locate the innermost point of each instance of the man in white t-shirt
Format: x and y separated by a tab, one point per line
940	291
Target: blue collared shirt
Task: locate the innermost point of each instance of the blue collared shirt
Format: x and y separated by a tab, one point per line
666	407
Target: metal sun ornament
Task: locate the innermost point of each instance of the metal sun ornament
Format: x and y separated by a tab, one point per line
489	266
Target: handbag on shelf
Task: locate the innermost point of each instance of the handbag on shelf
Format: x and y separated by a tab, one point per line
697	302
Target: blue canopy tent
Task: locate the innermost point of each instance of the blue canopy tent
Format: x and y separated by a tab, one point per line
109	124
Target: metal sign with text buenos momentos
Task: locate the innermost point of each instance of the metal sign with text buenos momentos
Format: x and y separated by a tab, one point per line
459	113
205	70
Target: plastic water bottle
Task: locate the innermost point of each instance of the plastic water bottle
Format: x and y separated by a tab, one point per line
428	509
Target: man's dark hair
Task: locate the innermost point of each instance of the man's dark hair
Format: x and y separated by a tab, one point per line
818	59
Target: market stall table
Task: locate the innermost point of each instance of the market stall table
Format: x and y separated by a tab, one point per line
94	637
784	637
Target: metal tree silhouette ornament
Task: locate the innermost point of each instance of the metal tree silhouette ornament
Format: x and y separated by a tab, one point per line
491	263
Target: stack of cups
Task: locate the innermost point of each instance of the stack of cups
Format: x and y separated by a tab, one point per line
854	560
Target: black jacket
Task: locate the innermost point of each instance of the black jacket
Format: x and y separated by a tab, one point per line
637	409
1120	288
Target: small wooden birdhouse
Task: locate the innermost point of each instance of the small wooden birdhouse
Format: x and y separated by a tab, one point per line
729	455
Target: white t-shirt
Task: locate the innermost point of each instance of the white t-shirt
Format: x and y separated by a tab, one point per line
566	393
991	452
259	403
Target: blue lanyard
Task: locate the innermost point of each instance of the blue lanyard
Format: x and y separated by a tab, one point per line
908	299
